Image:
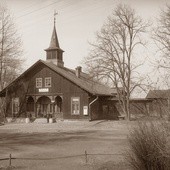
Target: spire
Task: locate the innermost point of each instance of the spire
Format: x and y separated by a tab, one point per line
54	39
54	53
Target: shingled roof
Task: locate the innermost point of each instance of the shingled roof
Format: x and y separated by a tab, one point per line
158	94
84	81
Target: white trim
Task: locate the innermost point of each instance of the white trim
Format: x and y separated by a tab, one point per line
75	99
46	81
15	100
37	81
43	90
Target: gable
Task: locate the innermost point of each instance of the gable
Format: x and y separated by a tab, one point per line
59	84
83	82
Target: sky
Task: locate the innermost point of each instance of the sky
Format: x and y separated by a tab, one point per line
76	24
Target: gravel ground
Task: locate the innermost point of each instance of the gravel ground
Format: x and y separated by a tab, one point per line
62	145
64	126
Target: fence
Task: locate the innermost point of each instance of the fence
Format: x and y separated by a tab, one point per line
85	155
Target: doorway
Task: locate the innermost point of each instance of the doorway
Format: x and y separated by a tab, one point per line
43	106
30	107
58	107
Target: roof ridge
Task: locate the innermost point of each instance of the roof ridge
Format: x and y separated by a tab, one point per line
89	86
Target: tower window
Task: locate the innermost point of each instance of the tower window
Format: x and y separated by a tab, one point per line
38	82
54	53
48	82
48	55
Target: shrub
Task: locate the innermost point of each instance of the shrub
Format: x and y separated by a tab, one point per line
149	147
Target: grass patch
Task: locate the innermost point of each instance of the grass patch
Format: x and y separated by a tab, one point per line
149	146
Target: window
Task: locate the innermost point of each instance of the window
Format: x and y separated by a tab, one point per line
48	82
38	82
49	55
15	105
54	55
75	105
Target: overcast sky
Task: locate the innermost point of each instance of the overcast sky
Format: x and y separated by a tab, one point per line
76	24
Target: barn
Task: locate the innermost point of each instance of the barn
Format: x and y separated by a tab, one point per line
48	88
160	105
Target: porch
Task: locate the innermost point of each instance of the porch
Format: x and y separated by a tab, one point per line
44	107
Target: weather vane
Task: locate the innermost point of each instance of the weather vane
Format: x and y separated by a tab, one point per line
55	13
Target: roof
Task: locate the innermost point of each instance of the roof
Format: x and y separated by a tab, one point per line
158	94
133	100
84	81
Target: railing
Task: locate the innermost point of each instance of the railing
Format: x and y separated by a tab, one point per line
85	155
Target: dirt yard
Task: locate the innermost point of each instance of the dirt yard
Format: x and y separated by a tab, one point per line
62	145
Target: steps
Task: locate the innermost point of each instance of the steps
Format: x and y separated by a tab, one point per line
40	120
15	120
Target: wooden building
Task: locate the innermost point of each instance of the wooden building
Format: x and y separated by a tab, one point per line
49	88
160	105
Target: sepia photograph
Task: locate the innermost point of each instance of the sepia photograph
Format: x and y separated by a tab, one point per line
84	84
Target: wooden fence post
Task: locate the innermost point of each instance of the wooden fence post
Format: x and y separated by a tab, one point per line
86	156
10	159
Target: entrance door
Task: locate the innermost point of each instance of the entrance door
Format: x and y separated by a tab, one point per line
43	106
44	109
58	107
30	107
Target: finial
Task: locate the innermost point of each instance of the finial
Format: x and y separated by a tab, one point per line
55	13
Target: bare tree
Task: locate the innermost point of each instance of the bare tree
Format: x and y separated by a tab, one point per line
161	36
10	51
10	48
112	56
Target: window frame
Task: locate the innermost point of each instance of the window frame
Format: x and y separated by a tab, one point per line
72	112
37	82
15	105
45	81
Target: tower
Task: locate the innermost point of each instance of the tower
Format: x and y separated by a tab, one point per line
54	53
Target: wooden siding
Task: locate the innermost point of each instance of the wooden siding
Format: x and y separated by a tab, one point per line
60	87
160	107
95	112
103	109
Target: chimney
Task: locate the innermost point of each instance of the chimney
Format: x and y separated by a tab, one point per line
78	71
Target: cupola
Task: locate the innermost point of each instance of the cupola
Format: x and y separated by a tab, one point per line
54	53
